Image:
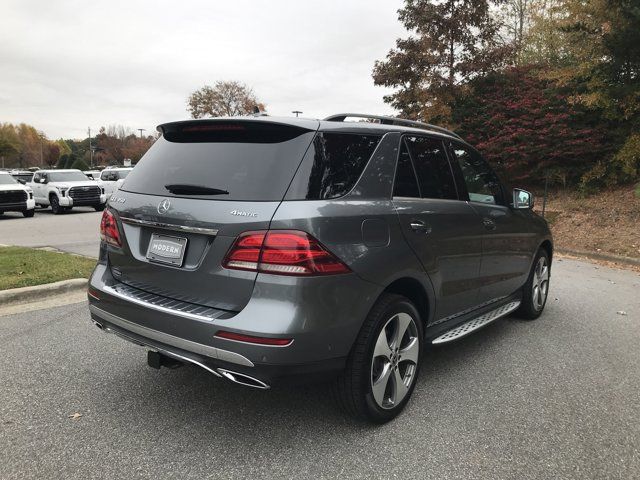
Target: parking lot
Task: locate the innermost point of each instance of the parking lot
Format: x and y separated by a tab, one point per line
554	398
76	231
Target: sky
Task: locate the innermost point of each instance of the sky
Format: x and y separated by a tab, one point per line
67	65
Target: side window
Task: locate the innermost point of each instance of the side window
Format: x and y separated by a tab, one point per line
36	177
332	165
482	183
405	184
432	166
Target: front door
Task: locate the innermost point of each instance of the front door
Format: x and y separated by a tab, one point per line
443	231
507	244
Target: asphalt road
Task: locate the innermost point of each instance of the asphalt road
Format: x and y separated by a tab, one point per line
77	231
554	398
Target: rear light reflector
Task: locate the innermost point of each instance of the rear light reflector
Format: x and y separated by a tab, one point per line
282	252
238	337
109	229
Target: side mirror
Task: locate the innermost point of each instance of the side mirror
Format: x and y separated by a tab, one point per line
522	199
42	180
21	181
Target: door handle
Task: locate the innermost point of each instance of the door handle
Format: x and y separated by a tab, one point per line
419	226
489	224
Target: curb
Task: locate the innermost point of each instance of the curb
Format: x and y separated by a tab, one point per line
607	257
40	292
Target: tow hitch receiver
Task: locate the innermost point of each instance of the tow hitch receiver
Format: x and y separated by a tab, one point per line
157	360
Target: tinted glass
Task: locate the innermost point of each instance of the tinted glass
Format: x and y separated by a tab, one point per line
67	176
482	183
114	175
23	176
251	161
6	179
433	169
406	184
332	165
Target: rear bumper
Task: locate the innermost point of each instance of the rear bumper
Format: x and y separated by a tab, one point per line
323	322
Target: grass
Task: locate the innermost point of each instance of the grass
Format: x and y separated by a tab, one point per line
637	192
25	267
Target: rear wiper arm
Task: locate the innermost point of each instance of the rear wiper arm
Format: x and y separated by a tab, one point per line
185	189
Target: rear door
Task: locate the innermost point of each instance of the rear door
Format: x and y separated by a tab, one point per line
198	187
507	242
444	232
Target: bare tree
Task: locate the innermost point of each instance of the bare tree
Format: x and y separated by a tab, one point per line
224	99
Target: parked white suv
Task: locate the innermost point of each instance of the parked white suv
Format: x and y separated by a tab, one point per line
15	197
65	189
112	178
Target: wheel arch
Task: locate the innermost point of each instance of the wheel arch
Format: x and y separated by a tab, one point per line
417	292
547	246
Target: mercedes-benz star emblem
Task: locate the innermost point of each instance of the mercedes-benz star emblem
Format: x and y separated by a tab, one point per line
163	206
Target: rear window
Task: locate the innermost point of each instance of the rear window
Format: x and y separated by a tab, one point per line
332	165
252	161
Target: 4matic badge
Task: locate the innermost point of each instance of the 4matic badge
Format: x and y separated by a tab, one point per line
240	213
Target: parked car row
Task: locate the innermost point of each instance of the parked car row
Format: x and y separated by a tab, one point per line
61	190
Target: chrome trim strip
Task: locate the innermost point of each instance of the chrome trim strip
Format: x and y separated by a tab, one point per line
476	323
164	352
233	376
170	226
160	308
187	345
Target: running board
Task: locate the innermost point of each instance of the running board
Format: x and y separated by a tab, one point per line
476	323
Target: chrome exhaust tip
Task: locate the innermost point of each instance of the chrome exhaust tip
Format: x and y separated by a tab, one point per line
242	379
98	324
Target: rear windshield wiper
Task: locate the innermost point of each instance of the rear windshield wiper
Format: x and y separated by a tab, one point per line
185	189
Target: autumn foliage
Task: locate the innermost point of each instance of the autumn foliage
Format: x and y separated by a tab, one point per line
527	128
544	88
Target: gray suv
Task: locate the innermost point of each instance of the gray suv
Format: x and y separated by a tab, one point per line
270	249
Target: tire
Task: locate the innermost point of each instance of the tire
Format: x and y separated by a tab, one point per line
367	388
99	208
55	205
29	213
536	291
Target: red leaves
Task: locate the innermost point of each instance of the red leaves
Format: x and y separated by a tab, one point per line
524	125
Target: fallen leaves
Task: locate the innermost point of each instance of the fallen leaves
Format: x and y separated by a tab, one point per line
75	416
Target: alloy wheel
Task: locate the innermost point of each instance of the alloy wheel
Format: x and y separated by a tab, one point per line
395	360
540	284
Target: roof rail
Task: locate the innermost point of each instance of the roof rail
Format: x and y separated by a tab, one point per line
340	117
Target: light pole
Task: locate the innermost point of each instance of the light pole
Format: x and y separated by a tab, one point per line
141	130
90	149
297	112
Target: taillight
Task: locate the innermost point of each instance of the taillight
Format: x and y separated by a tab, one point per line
109	229
284	252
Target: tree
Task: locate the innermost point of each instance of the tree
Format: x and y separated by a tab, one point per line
593	51
51	153
64	147
63	160
516	16
224	99
452	42
80	164
9	143
527	129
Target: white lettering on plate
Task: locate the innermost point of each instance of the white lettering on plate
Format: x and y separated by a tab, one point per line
166	249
